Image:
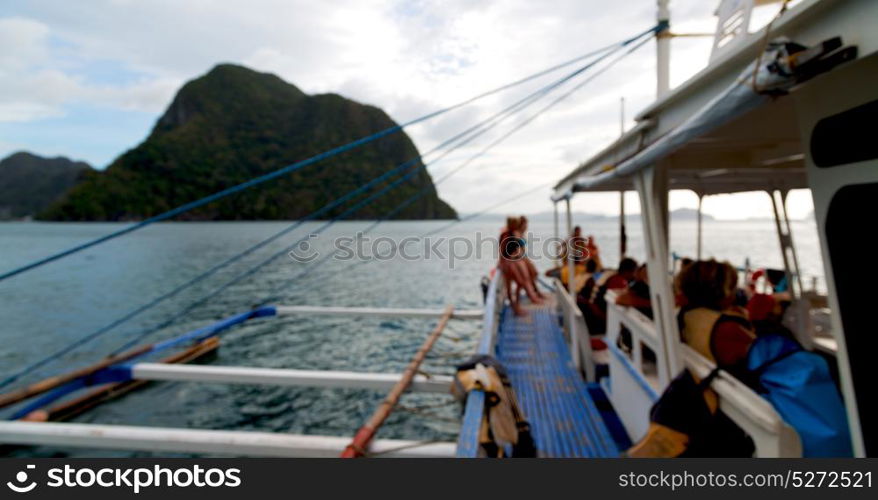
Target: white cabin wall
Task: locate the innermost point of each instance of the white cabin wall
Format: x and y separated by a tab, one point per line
843	88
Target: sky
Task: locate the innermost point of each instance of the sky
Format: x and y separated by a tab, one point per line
88	79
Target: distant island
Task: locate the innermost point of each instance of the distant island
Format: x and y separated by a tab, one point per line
226	127
30	183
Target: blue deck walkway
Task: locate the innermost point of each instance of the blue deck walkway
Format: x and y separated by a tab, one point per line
554	398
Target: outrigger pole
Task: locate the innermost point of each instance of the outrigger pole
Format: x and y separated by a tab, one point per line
357	447
56	381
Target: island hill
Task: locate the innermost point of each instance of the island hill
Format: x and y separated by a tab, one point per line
29	183
234	124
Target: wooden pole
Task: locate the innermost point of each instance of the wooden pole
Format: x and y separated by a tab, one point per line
357	447
100	395
50	383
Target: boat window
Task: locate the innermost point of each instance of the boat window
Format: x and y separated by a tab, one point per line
856	279
847	137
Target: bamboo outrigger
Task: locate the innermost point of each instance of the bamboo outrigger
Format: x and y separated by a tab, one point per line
366	433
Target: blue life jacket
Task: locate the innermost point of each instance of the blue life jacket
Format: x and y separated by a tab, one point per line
799	386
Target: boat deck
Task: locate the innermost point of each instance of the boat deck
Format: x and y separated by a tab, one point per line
565	422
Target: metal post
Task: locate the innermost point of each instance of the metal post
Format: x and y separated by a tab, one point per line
698	243
790	245
801	308
782	238
652	186
663	51
571	289
557	237
623	236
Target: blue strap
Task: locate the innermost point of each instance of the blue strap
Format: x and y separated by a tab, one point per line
123	372
486	125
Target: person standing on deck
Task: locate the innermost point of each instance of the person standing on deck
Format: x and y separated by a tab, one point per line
531	267
514	268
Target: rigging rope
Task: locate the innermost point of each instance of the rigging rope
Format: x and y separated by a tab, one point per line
518	127
485	126
300	164
473	131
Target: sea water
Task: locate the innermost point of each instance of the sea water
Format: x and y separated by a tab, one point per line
46	309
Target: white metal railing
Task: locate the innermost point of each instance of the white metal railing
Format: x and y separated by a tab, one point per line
772	436
494	301
440	384
218	442
576	331
375	311
643	334
636	383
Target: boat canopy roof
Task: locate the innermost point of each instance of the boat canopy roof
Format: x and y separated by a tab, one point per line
758	151
717	133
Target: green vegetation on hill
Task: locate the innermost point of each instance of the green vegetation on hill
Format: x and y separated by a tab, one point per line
29	183
233	124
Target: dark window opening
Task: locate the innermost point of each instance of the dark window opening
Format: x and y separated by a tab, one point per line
848	224
848	137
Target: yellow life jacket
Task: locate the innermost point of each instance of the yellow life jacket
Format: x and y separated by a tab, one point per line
605	276
698	324
580	276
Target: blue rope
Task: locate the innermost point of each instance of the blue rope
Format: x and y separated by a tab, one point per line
375	224
253	270
485	125
479	154
293	167
521	104
475	130
122	372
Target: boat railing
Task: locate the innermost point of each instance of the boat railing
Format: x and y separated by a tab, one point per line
468	438
575	331
635	384
772	436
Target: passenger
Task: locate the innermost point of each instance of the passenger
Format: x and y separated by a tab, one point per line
579	275
678	295
514	269
576	244
778	280
623	275
637	294
597	317
531	267
593	251
709	321
766	315
585	293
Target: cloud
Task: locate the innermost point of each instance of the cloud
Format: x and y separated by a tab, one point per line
408	57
